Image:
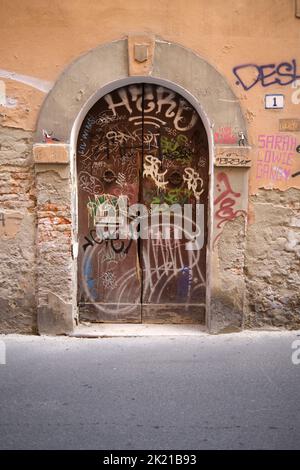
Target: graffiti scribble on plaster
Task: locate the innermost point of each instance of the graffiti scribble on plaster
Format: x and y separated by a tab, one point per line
275	156
248	75
225	135
225	204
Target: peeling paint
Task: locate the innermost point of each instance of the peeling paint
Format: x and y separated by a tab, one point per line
6	101
42	85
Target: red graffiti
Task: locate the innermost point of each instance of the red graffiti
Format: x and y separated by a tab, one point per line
224	135
226	201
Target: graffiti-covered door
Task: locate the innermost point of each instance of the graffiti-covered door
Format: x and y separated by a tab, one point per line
142	169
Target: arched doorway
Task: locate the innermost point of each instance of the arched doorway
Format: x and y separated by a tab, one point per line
142	144
87	79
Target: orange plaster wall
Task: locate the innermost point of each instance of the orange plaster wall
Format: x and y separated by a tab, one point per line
39	38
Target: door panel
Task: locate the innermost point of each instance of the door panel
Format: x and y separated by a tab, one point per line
174	172
147	143
108	165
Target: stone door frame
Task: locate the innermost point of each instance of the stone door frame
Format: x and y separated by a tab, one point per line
136	59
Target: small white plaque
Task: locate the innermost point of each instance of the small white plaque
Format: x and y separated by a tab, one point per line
274	101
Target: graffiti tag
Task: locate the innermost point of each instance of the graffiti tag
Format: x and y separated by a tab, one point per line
151	168
225	135
225	203
108	280
275	156
194	182
175	148
164	99
118	246
248	75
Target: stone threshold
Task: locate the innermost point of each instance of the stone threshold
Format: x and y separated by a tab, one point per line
108	330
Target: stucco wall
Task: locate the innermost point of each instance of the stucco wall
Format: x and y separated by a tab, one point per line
39	40
272	260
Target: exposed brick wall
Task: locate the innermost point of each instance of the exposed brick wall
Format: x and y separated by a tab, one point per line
17	230
271	269
54	230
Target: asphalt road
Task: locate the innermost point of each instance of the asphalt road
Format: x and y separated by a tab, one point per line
235	391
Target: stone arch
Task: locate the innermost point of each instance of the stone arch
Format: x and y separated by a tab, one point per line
92	75
101	67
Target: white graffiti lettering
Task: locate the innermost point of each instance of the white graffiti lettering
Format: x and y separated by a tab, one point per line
124	101
194	182
151	168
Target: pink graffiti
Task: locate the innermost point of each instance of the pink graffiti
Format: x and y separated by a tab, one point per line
224	135
225	202
275	156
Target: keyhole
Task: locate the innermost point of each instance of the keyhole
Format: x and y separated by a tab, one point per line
274	102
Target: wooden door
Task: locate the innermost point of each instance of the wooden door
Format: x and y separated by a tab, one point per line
146	143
